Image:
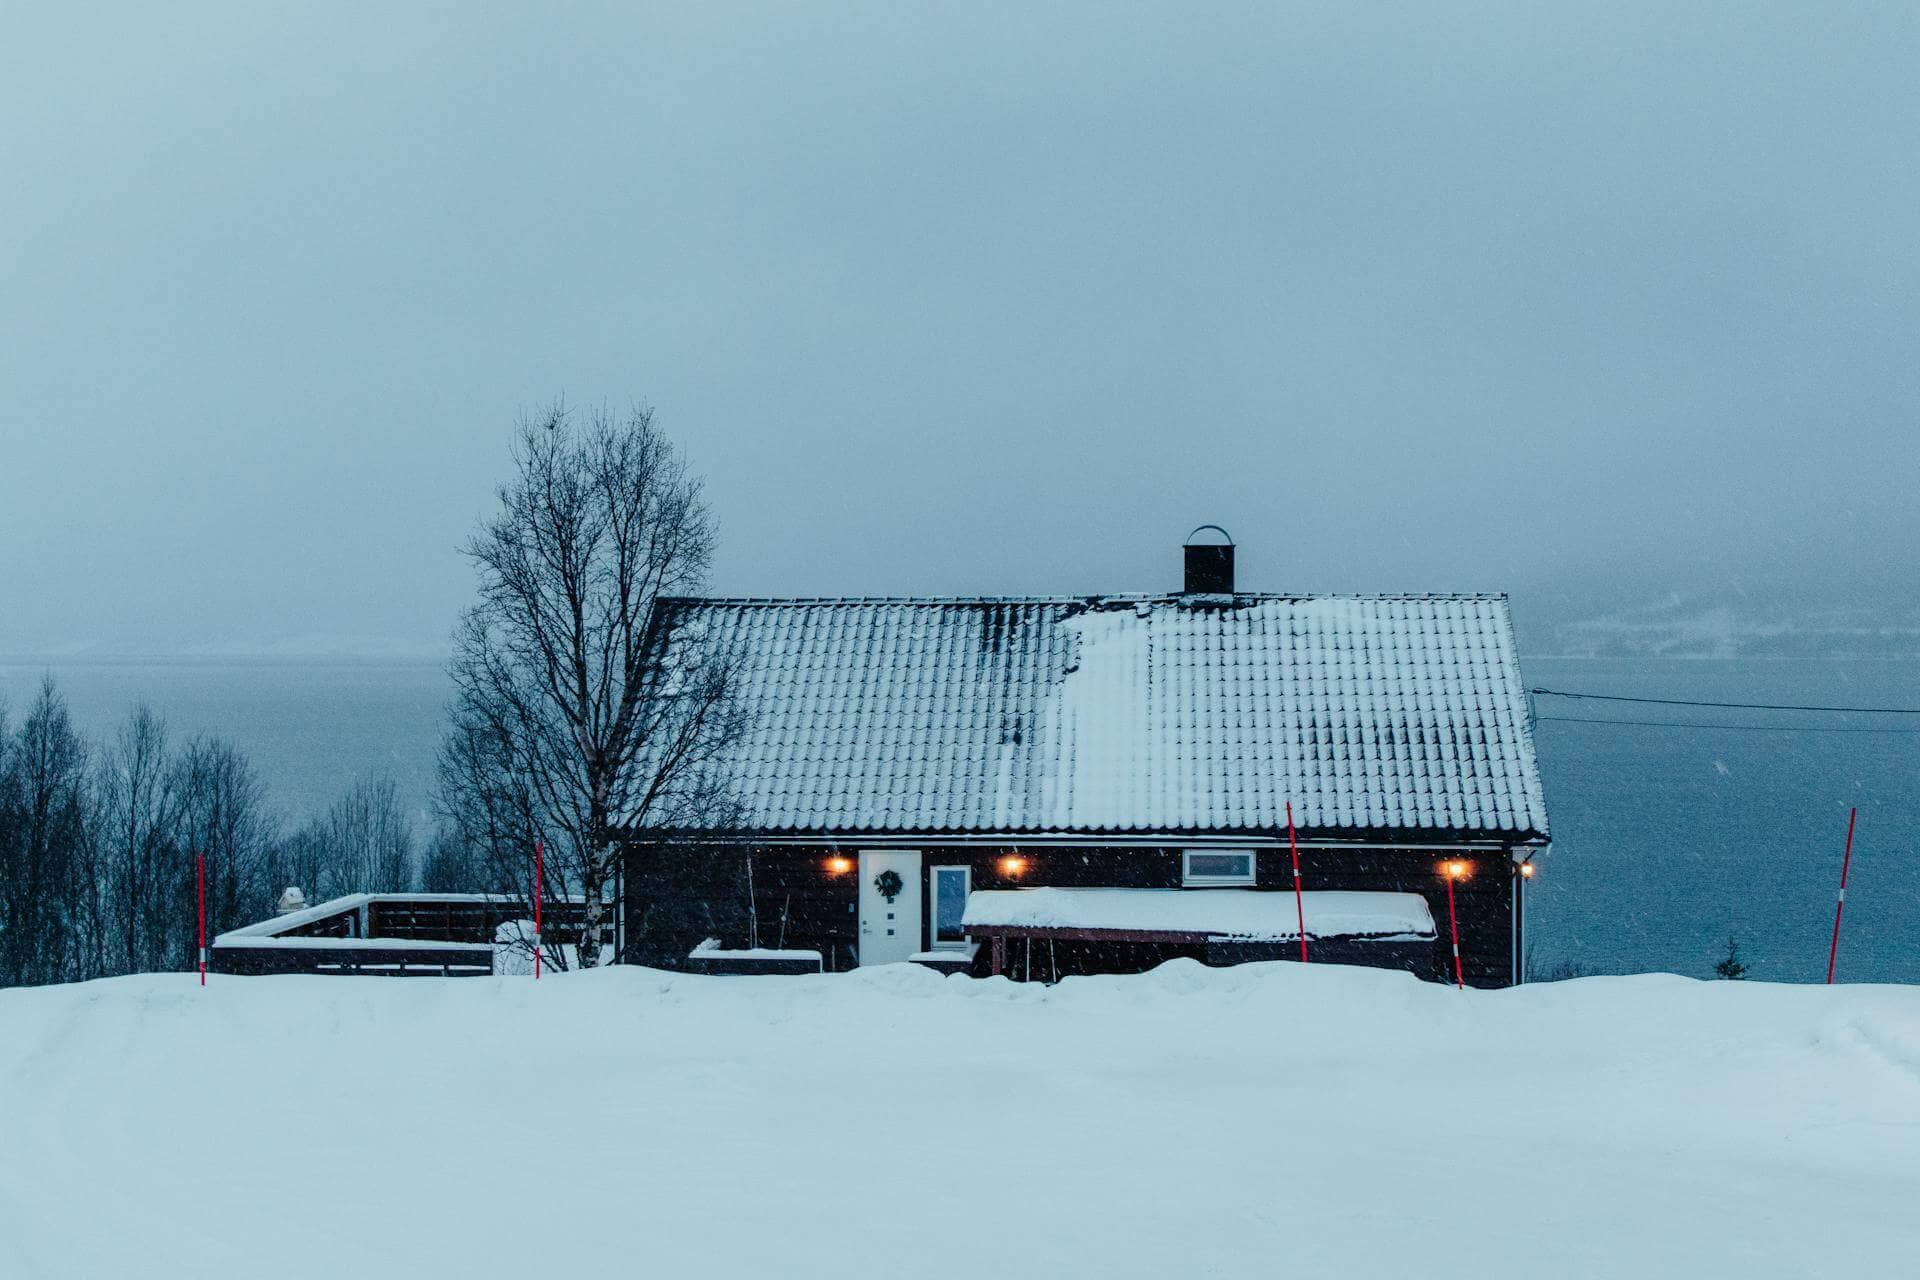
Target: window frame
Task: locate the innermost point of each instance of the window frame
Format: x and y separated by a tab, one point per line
1188	880
934	941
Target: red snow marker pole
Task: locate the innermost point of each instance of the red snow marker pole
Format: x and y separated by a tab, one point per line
1299	906
1846	860
200	891
1454	871
539	874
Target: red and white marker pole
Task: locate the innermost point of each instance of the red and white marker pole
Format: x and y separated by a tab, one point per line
539	877
200	891
1846	860
1299	904
1454	871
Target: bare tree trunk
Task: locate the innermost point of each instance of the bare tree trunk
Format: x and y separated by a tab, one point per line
222	816
564	729
136	815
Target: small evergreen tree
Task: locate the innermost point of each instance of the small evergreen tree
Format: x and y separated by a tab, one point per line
1730	967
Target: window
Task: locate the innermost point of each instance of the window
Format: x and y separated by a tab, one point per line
950	887
1206	868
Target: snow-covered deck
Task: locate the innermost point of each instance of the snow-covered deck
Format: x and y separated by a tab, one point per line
271	931
449	934
353	944
1200	915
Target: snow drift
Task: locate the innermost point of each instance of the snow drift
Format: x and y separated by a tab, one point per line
1260	1120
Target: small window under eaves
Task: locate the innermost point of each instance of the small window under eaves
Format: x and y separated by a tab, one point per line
1216	868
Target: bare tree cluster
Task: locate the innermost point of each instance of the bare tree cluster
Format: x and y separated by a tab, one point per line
363	843
97	845
564	729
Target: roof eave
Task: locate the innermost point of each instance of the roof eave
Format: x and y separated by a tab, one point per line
1320	837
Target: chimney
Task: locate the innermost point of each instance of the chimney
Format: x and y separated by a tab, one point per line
1209	564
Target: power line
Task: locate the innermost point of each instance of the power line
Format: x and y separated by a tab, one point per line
1692	724
1745	706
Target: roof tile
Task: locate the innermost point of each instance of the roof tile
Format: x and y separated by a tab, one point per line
1125	713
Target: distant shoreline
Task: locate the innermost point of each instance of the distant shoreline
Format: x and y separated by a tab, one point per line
430	660
219	659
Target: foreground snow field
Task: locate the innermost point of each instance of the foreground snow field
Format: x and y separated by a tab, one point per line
1257	1121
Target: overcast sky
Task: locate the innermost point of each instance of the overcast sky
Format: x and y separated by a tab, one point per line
953	299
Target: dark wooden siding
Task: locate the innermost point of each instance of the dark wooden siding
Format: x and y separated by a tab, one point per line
1483	899
677	896
372	960
470	921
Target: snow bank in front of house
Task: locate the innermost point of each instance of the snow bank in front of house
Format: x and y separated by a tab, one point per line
513	951
1186	1122
1243	915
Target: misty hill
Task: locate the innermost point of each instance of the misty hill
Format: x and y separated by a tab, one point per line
1729	618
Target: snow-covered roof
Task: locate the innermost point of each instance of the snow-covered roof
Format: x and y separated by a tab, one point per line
1242	915
1149	714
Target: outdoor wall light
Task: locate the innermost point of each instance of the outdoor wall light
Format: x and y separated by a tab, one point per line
1455	870
839	866
1013	866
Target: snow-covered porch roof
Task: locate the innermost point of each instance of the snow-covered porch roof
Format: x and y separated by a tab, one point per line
1196	915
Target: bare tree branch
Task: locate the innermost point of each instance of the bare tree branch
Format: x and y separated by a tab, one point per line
561	729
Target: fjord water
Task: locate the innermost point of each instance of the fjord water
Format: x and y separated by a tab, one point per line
1666	839
311	726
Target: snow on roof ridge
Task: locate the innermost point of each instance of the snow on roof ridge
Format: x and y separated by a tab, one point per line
1136	597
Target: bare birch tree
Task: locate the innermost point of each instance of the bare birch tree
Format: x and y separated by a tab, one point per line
138	809
369	842
484	806
222	816
363	843
560	728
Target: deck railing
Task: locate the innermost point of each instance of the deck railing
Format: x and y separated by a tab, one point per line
389	935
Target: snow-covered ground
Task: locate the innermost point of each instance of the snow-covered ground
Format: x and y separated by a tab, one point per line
1257	1121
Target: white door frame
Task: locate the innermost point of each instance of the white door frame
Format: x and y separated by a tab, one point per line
908	909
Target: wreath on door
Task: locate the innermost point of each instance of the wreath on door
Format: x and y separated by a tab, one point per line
889	884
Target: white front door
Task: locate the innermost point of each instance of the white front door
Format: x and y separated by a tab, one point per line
889	905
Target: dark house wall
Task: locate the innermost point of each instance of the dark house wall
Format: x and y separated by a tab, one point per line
1483	900
676	896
